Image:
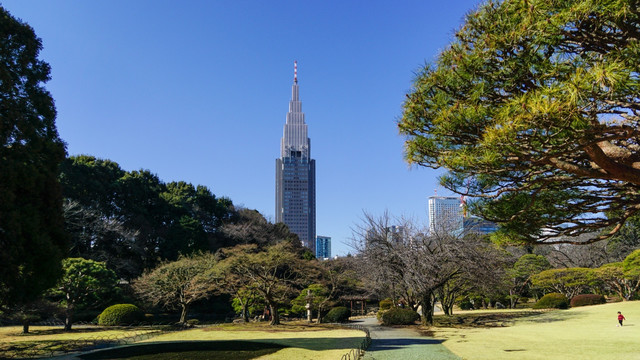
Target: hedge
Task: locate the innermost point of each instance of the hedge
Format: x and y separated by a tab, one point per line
587	299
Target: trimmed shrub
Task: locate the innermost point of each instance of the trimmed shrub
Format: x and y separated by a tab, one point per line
587	299
464	303
552	301
400	316
386	304
614	298
337	315
120	314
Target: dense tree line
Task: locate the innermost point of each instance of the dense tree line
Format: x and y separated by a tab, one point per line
131	219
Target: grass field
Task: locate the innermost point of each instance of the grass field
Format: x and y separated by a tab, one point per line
300	342
581	333
282	342
44	340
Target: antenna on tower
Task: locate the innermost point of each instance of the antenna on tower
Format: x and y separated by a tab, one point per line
295	71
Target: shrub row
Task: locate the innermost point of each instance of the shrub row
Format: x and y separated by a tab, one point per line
587	299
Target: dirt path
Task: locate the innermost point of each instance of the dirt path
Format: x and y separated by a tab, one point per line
402	343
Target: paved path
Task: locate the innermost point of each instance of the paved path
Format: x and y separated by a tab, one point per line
389	343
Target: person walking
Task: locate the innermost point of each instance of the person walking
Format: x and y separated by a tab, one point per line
620	318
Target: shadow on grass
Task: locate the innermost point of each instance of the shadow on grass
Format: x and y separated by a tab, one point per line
221	349
556	315
395	344
236	350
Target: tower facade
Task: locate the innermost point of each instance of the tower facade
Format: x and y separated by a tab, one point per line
296	174
445	214
323	247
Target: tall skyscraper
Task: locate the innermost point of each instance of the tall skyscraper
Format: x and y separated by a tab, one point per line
445	214
296	174
323	247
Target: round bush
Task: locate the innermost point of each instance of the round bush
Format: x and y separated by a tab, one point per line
552	301
400	316
120	314
587	299
386	304
337	315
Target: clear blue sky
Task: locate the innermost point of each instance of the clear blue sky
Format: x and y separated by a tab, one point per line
199	90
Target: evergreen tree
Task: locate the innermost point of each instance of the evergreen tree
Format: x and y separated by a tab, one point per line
32	238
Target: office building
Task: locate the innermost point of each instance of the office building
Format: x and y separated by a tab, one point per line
445	214
323	247
296	174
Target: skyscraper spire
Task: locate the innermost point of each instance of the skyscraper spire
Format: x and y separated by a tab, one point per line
296	173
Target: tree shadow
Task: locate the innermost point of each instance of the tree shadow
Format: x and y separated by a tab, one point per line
395	344
219	349
554	316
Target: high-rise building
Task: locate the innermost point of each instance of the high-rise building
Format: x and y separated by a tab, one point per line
296	174
323	247
445	214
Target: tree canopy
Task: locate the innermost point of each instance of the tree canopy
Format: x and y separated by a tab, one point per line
178	284
130	219
84	283
534	110
275	273
32	239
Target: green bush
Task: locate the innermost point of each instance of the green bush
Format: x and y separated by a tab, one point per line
464	303
120	314
587	299
400	316
552	301
386	304
337	315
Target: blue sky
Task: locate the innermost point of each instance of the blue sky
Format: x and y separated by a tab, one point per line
199	90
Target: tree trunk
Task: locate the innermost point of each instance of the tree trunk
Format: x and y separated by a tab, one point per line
427	309
275	317
68	321
183	315
25	326
245	313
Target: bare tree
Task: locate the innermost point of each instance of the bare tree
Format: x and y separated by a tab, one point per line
414	265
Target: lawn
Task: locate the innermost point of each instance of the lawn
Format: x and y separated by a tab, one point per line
45	340
581	333
298	341
282	342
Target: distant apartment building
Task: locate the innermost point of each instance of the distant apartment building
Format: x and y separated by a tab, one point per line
445	214
296	174
323	247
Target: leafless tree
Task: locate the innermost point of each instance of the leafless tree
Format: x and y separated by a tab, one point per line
417	265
